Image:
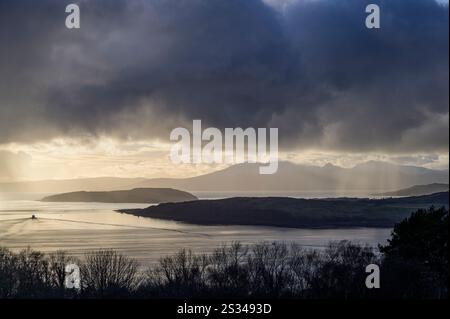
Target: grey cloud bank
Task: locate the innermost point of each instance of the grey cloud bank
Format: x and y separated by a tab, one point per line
137	69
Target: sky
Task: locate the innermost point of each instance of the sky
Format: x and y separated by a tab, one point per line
101	100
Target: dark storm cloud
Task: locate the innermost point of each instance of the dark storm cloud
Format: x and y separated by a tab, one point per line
140	68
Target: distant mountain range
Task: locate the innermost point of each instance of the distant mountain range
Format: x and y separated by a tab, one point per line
418	190
72	185
292	177
371	176
138	195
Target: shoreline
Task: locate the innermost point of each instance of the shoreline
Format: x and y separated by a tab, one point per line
305	227
330	213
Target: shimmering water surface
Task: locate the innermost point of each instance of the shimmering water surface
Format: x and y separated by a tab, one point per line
80	227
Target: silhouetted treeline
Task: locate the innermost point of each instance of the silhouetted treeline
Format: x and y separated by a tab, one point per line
414	264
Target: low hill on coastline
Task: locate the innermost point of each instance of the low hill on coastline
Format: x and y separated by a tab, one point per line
418	190
137	195
291	212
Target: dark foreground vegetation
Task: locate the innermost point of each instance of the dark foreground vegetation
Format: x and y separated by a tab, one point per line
293	212
414	264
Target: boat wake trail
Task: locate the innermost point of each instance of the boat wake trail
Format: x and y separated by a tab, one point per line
126	226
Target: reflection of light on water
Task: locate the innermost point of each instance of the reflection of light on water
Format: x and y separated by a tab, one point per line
79	227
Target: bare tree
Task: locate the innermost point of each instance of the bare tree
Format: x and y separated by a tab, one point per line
181	275
108	273
8	280
269	268
228	270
